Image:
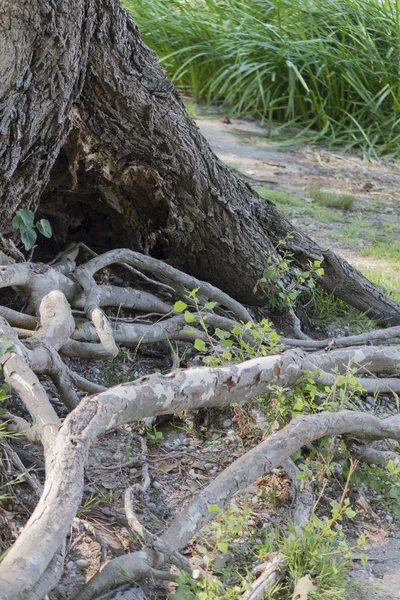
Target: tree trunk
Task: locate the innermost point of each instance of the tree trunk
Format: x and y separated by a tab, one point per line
94	135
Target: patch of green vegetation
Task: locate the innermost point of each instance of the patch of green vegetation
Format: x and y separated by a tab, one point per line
379	240
328	66
190	107
280	197
326	308
331	199
280	292
286	201
318	550
387	279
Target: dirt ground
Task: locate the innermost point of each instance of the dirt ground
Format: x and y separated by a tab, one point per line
242	144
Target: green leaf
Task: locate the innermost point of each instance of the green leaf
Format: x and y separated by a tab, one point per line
199	345
221	334
364	559
223	547
202	549
269	273
193	293
23	219
28	238
207	360
396	510
214	508
5	345
350	513
394	492
296	455
179	306
210	305
44	227
227	343
189	318
298	405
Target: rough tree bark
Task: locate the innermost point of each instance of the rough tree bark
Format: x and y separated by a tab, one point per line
92	127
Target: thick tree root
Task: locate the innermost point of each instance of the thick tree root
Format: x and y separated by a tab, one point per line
51	297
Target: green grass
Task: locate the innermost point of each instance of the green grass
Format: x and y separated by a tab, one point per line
287	200
329	66
280	197
331	199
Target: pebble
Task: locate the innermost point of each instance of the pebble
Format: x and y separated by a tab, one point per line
213	471
255	500
251	489
151	505
227	423
70	565
157	485
133	471
82	563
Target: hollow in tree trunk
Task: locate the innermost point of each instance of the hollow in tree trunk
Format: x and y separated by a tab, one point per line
96	138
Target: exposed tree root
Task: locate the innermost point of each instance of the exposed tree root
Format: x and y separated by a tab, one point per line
51	295
268	574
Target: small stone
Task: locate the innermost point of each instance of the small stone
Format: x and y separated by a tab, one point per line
227	423
222	559
133	472
213	471
82	563
251	489
255	500
389	518
151	505
70	565
157	485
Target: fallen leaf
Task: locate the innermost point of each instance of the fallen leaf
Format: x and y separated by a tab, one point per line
277	370
168	467
198	464
303	587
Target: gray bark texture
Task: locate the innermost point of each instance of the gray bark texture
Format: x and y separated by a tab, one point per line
95	137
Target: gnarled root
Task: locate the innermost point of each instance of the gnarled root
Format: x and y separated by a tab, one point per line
33	565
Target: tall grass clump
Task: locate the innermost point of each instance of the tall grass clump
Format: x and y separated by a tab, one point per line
330	66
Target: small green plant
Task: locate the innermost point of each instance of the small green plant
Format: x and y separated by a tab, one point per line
331	199
282	282
93	500
24	222
242	342
153	435
384	481
319	549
